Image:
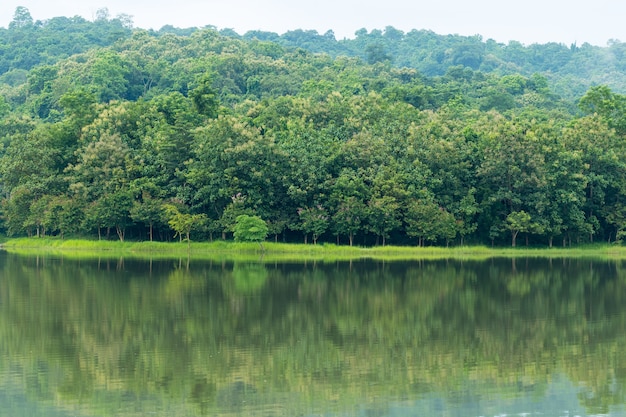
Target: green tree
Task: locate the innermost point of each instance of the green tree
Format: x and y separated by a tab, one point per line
21	18
16	210
109	76
429	222
182	223
610	106
520	221
466	215
236	208
111	210
250	229
313	220
147	210
204	98
71	215
512	174
383	216
348	196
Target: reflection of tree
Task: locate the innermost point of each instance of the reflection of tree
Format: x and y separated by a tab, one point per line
325	332
249	278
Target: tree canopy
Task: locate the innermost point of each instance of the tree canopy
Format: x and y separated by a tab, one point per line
347	141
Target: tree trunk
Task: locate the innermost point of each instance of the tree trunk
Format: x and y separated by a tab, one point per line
513	237
120	233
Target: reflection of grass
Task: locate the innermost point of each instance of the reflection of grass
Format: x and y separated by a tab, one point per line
247	251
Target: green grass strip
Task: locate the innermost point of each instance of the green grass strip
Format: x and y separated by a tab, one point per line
229	250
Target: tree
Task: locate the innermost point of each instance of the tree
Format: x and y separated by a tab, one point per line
38	215
204	97
16	210
602	153
102	167
109	76
236	208
147	210
383	216
348	217
111	210
610	106
348	197
233	158
428	222
250	229
519	221
71	215
466	213
182	223
375	52
21	18
512	173
313	220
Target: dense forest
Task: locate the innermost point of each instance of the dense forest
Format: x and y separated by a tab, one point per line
391	137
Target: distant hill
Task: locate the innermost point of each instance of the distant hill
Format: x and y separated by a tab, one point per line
569	69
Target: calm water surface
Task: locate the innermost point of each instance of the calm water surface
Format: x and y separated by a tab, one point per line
441	338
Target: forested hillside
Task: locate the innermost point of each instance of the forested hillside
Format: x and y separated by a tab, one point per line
386	138
569	69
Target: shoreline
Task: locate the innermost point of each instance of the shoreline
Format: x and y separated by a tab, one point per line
229	250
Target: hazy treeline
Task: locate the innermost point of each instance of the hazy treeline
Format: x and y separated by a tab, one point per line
570	69
320	145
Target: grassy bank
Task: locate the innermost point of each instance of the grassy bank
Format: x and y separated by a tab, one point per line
228	250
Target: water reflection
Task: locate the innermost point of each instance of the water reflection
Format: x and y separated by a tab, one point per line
126	337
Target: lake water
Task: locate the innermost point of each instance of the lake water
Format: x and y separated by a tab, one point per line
123	337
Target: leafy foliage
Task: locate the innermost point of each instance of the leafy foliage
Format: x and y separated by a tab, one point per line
250	229
388	136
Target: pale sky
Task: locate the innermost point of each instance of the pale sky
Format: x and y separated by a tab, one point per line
527	21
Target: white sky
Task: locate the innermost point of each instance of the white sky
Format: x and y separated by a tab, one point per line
527	21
